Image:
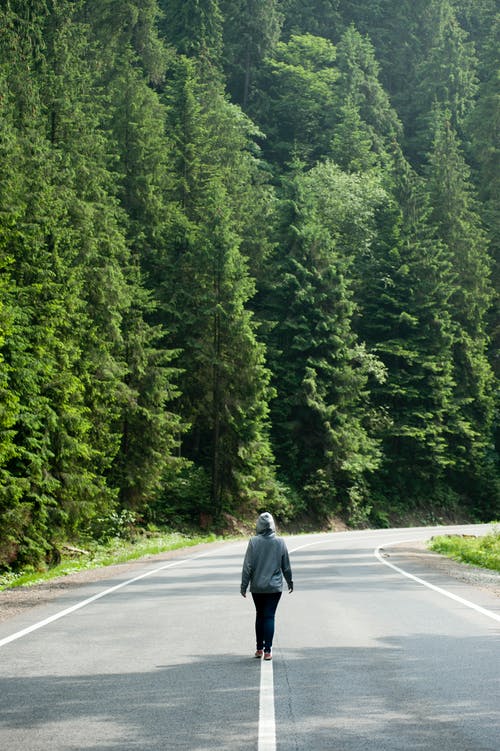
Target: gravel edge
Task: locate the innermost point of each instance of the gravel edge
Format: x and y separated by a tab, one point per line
435	562
20	599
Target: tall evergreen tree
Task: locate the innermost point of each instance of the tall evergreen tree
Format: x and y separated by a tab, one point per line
318	17
446	76
207	292
194	28
251	30
321	414
455	217
358	88
12	512
483	131
53	460
352	145
406	321
147	426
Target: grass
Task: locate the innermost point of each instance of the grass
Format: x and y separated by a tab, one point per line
477	551
115	551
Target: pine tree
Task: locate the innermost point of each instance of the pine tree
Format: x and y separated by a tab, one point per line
12	515
147	427
206	293
251	31
484	133
455	217
358	89
321	413
52	461
446	76
194	28
406	321
352	145
318	17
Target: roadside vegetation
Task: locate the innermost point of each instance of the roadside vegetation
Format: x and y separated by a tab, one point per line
477	551
96	555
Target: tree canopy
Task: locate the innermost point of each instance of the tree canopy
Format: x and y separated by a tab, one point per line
248	259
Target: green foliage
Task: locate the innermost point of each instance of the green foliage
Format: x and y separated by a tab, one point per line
360	94
459	227
294	102
113	551
251	31
207	293
218	268
477	551
446	76
320	416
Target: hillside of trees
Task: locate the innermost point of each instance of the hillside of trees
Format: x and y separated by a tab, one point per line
249	258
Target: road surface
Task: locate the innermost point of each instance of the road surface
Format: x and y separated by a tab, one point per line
364	658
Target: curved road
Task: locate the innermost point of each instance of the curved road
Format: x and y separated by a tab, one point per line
365	657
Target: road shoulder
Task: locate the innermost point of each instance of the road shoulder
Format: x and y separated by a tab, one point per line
18	600
418	553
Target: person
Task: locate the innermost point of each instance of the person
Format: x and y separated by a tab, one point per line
266	563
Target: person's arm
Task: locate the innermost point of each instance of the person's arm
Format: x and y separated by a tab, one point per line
286	568
246	571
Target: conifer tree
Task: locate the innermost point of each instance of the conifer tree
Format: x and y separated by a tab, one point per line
458	225
295	104
321	413
352	145
53	459
406	321
484	133
446	76
12	515
207	290
147	426
358	89
251	31
194	28
318	17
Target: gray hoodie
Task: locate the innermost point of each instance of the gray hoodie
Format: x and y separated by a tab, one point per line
266	560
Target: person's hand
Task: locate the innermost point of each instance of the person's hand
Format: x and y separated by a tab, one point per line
244	594
290	589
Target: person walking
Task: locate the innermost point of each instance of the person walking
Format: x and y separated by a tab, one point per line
266	563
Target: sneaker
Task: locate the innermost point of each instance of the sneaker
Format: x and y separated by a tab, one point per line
268	656
259	653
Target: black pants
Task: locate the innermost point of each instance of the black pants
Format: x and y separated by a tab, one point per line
265	605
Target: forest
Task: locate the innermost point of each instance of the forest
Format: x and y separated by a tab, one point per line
249	259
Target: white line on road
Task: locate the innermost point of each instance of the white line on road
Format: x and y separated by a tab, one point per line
441	591
83	603
267	724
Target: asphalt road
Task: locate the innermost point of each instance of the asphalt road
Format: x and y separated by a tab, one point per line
364	658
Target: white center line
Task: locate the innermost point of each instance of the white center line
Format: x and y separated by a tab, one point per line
441	591
267	725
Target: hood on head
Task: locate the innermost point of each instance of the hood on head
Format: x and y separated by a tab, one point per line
265	524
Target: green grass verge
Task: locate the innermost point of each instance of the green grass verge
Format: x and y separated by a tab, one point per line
477	551
113	552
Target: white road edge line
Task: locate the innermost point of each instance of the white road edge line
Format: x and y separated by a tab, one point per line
84	603
427	584
267	724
